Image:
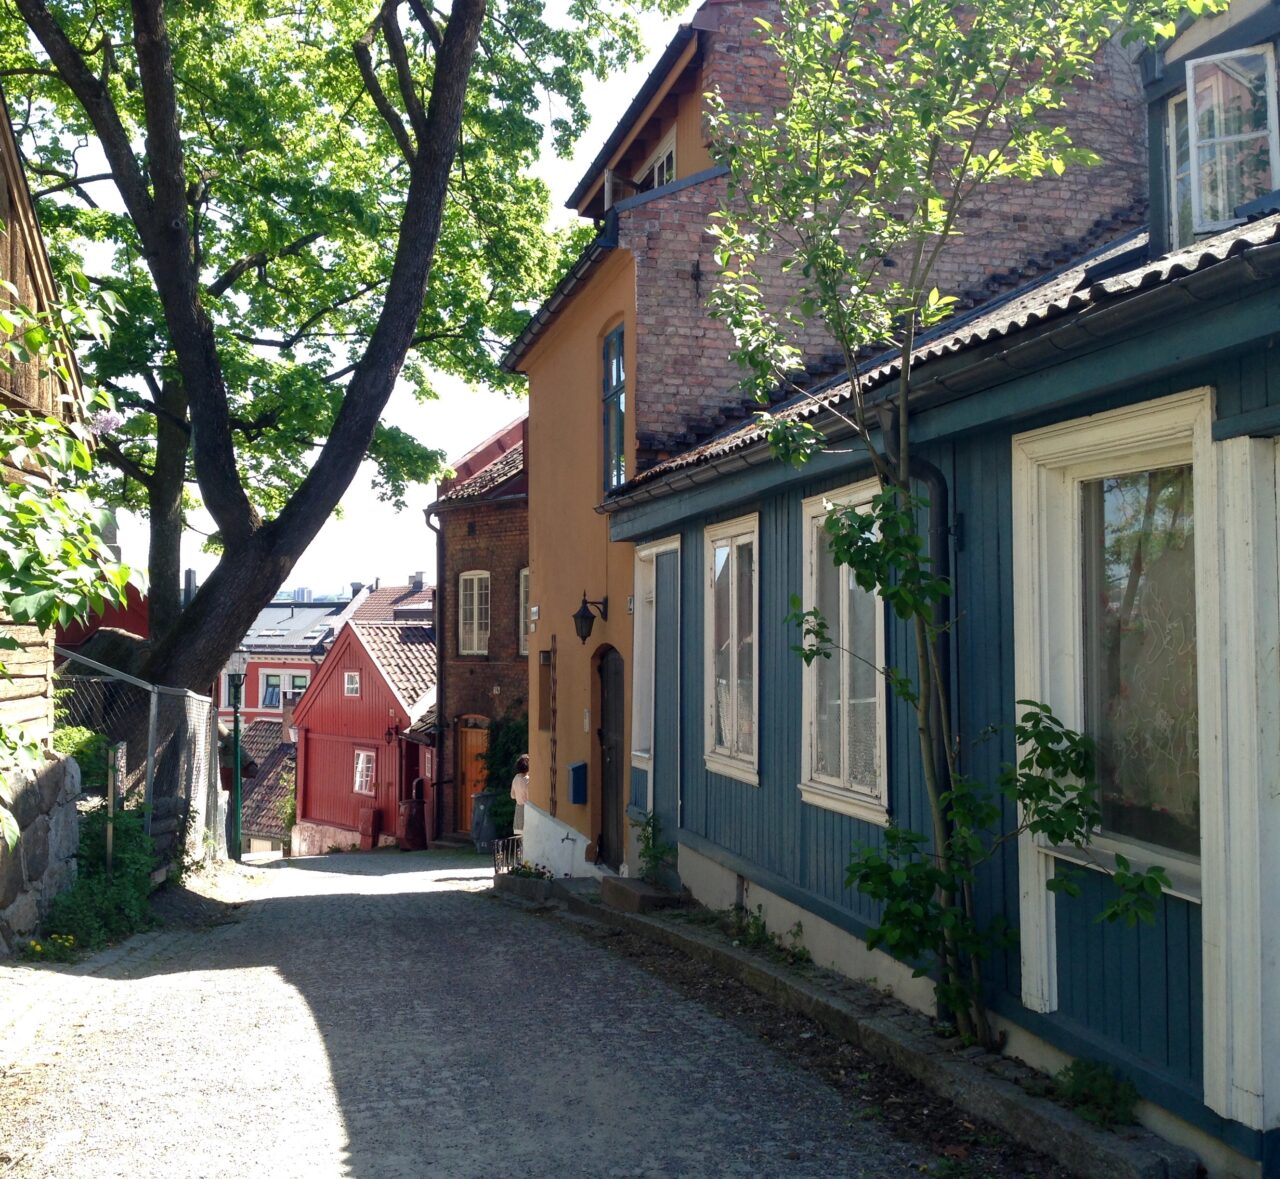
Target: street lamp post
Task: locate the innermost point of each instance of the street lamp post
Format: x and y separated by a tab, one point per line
235	682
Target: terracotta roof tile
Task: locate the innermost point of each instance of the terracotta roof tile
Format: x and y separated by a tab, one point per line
263	797
405	653
383	603
502	470
258	739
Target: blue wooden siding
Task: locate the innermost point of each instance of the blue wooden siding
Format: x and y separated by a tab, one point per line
1131	996
666	693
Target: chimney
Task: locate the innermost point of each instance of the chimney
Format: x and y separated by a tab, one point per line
416	581
189	586
356	587
286	719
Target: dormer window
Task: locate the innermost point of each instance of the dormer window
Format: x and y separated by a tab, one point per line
1223	141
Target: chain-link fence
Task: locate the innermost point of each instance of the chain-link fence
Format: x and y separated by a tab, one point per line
170	739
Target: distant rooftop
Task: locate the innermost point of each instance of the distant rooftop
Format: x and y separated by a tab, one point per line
294	627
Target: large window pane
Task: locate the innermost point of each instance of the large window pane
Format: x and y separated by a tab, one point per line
745	639
827	672
1232	133
1140	654
1182	216
721	571
861	676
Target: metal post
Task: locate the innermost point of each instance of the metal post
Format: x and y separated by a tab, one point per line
236	688
114	761
152	724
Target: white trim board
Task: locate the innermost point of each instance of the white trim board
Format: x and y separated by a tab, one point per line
1237	562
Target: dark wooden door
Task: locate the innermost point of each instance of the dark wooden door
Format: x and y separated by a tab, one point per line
472	741
612	760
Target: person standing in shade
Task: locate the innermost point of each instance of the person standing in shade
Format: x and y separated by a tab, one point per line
520	792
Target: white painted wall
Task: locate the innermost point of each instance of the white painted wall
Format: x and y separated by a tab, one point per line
555	845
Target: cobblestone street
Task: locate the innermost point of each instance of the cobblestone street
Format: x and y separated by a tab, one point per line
382	1016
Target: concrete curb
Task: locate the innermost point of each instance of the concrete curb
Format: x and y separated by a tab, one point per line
892	1032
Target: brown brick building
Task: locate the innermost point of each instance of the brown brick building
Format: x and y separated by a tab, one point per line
481	522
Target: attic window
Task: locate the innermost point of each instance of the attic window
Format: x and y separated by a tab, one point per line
1222	139
660	167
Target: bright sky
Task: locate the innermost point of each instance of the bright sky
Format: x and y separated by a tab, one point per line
371	540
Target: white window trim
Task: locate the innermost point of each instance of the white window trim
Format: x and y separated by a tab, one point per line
291	676
1273	125
716	760
668	144
478	645
262	689
1237	558
373	772
644	665
523	596
350	678
870	805
1171	166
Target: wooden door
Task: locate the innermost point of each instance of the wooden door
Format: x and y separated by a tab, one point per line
612	761
472	740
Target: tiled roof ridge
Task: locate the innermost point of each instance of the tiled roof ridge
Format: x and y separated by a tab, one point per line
503	469
1120	220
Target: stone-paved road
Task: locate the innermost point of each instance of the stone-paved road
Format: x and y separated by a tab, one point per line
380	1016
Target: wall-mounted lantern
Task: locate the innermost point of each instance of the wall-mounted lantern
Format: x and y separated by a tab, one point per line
584	619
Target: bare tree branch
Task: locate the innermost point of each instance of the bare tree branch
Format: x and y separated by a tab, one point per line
225	281
404	73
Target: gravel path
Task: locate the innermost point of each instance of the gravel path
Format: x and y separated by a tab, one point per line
382	1016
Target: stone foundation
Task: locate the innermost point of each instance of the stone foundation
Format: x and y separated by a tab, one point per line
314	839
43	862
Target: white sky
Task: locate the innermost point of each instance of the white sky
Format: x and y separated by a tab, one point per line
372	540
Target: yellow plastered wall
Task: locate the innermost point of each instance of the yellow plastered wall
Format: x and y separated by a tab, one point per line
569	548
692	155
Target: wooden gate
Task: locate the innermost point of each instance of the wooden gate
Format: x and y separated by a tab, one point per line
471	739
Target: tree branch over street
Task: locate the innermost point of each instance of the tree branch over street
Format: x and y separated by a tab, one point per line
284	248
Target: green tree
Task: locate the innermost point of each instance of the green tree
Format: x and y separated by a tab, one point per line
899	112
299	205
54	566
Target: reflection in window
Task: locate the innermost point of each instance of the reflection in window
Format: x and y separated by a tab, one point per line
1140	654
733	613
1222	137
270	691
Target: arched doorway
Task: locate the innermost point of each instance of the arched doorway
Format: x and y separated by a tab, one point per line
611	734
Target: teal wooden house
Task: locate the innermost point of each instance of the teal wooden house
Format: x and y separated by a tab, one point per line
1106	455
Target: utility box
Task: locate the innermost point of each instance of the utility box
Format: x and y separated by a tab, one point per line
578	783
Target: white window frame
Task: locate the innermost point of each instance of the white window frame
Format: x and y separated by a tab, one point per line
1237	559
476	643
1273	124
351	683
263	675
1049	467
668	144
869	801
365	758
305	676
526	624
718	760
644	665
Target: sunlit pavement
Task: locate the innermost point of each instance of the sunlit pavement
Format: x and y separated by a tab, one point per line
381	1016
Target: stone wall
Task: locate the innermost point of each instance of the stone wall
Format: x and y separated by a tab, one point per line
43	862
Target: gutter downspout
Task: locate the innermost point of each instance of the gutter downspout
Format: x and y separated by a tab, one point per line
940	532
441	663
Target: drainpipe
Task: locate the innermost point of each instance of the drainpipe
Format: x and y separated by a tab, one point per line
441	773
939	530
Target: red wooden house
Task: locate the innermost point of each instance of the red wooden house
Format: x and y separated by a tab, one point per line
355	749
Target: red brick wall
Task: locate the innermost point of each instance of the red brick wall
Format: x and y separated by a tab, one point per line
685	376
495	537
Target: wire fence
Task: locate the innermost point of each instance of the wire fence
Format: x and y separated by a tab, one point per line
169	760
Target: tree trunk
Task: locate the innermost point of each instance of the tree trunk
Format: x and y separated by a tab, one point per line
165	510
